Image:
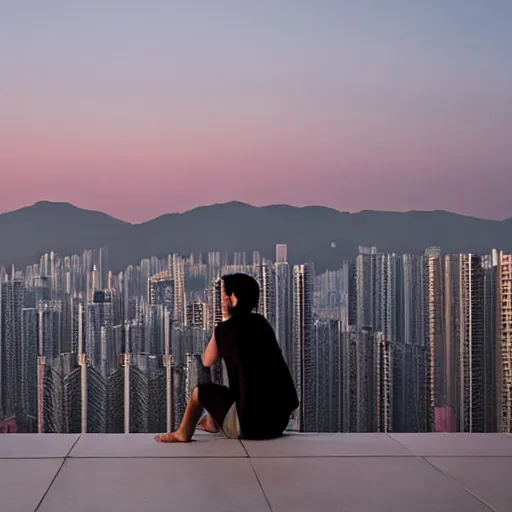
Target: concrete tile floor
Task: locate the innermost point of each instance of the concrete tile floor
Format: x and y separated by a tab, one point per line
453	445
143	445
327	445
35	446
23	482
156	485
383	484
347	472
489	478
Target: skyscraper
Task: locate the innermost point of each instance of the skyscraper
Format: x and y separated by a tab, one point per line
367	382
304	349
385	314
359	395
196	374
366	291
281	253
29	352
59	394
42	290
148	394
438	304
411	395
504	352
367	378
215	304
329	398
177	271
239	258
383	383
99	327
267	282
47	268
283	315
95	394
156	329
145	273
196	314
116	397
490	330
78	325
161	290
11	305
469	342
101	256
332	294
103	365
50	325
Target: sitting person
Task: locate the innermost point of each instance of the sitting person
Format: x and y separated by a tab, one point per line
261	395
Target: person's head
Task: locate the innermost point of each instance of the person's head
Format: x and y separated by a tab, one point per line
240	293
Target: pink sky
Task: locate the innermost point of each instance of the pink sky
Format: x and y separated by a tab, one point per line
144	112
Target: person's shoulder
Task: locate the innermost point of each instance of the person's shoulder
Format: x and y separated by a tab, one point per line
258	318
243	321
258	321
227	325
224	324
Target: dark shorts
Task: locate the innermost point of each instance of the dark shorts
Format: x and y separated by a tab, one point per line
219	402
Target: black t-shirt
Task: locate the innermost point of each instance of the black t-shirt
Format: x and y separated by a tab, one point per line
258	374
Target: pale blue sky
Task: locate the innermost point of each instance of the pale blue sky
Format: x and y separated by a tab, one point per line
355	105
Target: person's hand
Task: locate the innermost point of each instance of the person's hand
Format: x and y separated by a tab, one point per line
224	301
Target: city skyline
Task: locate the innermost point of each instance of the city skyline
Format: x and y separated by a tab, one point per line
385	343
144	109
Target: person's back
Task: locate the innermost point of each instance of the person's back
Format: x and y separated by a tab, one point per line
258	375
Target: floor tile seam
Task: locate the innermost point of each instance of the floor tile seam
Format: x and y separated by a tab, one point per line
256	476
466	456
226	457
73	446
341	456
243	457
50	486
57	473
260	485
398	442
404	456
28	457
461	485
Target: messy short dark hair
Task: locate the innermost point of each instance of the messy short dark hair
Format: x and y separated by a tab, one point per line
246	290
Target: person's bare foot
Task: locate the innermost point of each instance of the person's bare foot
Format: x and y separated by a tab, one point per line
172	437
208	425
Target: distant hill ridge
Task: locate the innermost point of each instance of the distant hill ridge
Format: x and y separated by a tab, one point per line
27	233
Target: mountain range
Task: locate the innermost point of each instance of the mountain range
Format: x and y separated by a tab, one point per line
314	233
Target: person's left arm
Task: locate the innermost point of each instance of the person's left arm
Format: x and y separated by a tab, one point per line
211	353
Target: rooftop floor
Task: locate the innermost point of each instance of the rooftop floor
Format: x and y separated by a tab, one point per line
300	472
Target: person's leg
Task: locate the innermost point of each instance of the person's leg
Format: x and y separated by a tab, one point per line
263	426
208	424
188	423
217	401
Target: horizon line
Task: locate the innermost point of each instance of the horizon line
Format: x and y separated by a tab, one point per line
243	203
